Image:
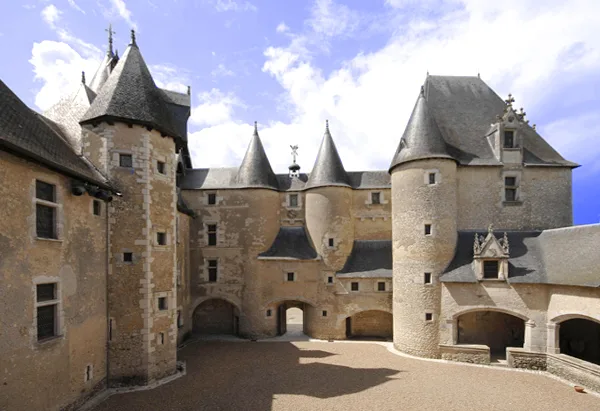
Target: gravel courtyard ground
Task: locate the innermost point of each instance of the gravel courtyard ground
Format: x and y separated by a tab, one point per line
312	376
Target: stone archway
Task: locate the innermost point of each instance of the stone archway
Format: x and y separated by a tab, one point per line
215	316
370	324
580	338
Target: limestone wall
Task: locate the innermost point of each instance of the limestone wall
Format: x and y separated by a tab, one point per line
372	221
184	325
50	375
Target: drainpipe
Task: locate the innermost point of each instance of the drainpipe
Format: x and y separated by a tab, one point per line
108	328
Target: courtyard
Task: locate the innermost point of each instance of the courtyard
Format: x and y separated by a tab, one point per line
303	375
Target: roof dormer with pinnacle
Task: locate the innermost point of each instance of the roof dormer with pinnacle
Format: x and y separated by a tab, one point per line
255	170
422	138
131	96
328	169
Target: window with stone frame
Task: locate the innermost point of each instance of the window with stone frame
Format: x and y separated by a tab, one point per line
47	310
509	139
161	238
212	198
125	160
354	286
376	197
97	207
213	268
490	268
45	210
293	200
162	303
381	286
431	178
510	188
211	232
161	167
291	276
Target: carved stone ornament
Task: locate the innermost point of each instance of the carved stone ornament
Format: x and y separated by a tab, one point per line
292	214
490	246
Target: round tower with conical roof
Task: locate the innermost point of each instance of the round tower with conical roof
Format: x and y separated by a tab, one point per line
424	230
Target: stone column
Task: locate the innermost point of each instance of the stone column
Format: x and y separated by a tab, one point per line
529	335
553	343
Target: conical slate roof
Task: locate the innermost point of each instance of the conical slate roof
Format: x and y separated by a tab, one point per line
422	138
130	95
255	170
328	169
103	72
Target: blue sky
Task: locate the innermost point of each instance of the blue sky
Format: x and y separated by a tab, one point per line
292	64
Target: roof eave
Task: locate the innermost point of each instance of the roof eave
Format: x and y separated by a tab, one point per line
419	158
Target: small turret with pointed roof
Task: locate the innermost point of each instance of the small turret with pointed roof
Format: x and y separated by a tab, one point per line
422	138
108	64
255	170
328	169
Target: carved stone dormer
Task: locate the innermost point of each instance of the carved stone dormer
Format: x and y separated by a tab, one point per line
506	134
490	256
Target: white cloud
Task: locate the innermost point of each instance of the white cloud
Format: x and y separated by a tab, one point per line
75	6
332	19
282	28
215	108
222	71
169	77
231	5
120	8
51	15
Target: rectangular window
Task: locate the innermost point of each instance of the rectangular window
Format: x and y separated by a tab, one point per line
293	198
431	178
125	160
97	206
376	198
490	269
162	303
212	198
110	329
427	278
324	313
510	188
45	214
509	139
354	286
427	229
128	257
160	167
331	242
45	191
269	313
162	338
428	317
381	286
291	276
161	238
213	266
211	230
88	373
46	310
330	280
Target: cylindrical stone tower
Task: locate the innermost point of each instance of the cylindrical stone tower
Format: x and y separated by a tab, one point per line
424	210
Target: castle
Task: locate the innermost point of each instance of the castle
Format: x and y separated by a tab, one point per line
114	249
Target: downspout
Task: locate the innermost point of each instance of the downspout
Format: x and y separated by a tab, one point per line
108	327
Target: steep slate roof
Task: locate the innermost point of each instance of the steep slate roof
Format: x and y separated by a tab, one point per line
130	94
369	259
291	243
328	169
104	70
422	138
464	108
255	170
27	134
567	256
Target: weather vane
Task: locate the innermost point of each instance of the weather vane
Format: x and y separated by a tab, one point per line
294	153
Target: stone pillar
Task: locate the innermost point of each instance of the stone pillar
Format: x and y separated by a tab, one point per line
553	341
529	335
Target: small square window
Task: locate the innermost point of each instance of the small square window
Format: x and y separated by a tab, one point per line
162	303
431	178
212	234
269	313
293	200
45	292
212	198
160	167
509	139
490	269
330	279
125	160
291	276
354	286
427	278
381	286
331	242
428	316
324	313
427	229
97	206
128	257
161	238
376	198
44	191
213	268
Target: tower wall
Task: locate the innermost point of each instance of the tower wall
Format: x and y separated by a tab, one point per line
414	204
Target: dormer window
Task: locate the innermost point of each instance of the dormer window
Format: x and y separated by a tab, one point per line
490	268
490	257
509	139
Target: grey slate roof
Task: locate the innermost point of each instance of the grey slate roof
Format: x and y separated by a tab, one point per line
567	256
464	108
104	70
369	259
328	169
255	170
422	138
130	94
26	133
291	243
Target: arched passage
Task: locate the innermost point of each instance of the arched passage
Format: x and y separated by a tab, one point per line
216	316
495	329
580	338
370	324
291	318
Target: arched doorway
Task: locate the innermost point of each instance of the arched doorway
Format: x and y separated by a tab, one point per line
216	316
580	338
370	324
495	329
291	317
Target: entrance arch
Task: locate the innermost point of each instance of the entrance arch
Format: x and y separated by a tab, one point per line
496	329
370	324
216	316
292	318
580	338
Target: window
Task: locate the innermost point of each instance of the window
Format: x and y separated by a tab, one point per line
376	198
293	200
212	270
97	207
331	242
381	286
427	229
161	238
428	316
354	286
45	210
128	257
110	329
179	319
212	234
160	167
330	279
269	313
212	198
431	178
162	303
47	310
161	338
291	276
125	160
510	188
324	313
427	278
490	269
509	139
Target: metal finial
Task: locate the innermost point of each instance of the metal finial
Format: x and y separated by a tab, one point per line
491	228
422	90
133	37
117	54
189	90
83	77
478	75
294	153
327	125
110	31
255	127
533	126
509	100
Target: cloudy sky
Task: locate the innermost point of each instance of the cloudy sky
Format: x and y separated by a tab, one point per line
291	64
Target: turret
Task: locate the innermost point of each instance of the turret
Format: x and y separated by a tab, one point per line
424	230
329	205
255	170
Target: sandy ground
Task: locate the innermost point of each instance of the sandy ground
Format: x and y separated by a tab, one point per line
312	376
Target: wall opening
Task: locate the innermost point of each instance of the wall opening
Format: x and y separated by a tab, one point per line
580	338
216	316
291	319
372	324
495	329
